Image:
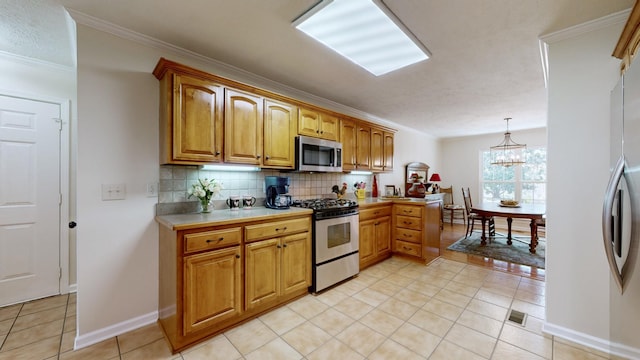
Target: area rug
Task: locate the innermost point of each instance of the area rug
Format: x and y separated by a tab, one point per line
517	252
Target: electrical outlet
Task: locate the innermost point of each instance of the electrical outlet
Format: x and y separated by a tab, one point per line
152	189
114	192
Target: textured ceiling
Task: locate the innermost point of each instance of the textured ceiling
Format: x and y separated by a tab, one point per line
485	65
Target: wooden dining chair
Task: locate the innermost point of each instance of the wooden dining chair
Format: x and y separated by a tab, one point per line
471	216
450	206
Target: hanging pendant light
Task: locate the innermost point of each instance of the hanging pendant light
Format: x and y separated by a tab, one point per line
507	153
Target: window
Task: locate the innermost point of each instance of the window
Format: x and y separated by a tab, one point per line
526	183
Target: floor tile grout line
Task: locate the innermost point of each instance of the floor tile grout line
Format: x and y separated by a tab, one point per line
64	321
11	327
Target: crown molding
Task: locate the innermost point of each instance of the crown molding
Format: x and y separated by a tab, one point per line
242	75
573	31
37	62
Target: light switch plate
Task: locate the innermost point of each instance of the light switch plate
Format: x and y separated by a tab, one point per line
114	192
152	189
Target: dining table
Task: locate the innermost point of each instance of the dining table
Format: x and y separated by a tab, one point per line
535	212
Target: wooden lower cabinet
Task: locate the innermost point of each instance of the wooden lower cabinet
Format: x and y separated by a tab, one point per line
212	288
417	230
375	234
277	267
214	277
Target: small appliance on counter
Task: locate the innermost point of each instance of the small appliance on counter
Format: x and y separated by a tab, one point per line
277	188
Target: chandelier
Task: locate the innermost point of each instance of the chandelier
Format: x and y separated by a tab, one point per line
507	153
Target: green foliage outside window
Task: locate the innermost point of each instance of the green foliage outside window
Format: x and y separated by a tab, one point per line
526	183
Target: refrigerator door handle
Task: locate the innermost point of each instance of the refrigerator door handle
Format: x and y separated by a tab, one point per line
607	223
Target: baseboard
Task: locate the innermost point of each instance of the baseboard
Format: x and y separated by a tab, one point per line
114	330
593	342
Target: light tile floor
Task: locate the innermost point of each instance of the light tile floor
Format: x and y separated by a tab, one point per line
397	309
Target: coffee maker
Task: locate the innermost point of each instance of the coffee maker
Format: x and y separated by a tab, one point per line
277	188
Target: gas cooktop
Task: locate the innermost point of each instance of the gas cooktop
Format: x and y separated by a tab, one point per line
325	204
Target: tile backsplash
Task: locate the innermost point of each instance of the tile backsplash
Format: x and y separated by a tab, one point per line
176	179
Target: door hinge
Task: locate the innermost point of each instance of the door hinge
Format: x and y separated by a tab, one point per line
60	199
59	273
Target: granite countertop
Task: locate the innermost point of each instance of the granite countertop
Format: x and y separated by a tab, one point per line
225	217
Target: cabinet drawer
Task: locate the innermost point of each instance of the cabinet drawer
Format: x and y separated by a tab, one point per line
214	239
376	212
409	222
276	229
408	210
413	236
407	248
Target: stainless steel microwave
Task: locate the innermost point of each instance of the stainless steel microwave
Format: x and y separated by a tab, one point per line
318	155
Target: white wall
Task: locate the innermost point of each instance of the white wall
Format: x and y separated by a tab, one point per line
461	158
118	100
582	74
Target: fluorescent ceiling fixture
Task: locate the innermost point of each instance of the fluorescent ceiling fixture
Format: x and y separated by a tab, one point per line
361	172
230	168
365	32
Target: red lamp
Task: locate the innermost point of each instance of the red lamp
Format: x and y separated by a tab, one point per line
434	178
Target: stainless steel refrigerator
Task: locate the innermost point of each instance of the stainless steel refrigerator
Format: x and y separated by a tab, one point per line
621	216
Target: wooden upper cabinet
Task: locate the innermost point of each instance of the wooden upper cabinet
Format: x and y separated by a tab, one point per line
377	149
363	151
207	119
318	124
388	151
191	120
280	122
329	127
243	115
348	138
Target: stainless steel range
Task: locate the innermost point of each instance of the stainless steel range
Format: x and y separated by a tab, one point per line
335	240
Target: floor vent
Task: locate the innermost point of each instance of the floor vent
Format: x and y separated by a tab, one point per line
517	317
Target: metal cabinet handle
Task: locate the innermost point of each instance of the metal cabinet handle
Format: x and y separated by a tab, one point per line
284	245
278	246
283	229
258	157
237	256
210	240
72	224
217	153
267	157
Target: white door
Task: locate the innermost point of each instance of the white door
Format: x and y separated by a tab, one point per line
29	199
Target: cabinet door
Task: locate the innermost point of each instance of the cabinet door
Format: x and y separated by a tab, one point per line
348	138
262	272
377	149
383	235
363	152
388	151
212	292
243	127
197	120
280	122
329	127
296	262
367	240
308	122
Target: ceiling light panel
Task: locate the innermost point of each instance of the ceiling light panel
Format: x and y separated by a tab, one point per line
365	32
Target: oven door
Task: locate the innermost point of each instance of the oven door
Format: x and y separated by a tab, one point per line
336	237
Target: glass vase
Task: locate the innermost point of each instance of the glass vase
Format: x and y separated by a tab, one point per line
205	206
